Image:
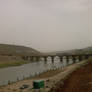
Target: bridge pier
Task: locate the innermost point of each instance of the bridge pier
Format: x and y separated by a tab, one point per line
45	59
61	58
74	59
80	58
67	59
90	56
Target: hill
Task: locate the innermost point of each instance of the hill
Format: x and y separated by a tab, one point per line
87	50
6	49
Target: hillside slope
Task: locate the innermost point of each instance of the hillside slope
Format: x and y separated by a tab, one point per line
87	50
6	49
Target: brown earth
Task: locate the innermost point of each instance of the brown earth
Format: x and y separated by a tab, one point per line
79	81
9	58
10	61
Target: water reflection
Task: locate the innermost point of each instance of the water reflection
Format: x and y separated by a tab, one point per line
70	61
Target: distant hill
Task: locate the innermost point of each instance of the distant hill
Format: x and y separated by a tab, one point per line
87	50
6	49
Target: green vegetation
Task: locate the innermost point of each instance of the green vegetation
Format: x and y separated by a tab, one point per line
10	64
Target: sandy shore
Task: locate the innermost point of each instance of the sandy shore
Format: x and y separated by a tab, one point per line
52	76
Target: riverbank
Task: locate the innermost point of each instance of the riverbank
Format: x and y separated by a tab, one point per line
78	81
10	61
51	78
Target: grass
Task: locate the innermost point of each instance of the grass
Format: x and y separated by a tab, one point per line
12	63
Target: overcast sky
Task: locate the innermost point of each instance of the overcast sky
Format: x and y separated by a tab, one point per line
46	25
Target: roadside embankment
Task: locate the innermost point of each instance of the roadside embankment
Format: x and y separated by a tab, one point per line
78	81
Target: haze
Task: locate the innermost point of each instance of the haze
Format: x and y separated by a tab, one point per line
46	25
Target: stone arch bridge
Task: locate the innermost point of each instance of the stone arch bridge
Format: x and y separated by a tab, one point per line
79	57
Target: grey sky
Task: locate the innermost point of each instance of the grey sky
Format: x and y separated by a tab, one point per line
46	25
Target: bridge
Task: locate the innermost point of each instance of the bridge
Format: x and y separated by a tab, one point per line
73	57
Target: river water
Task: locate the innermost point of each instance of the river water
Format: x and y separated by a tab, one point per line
28	70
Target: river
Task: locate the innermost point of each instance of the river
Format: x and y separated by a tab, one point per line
13	74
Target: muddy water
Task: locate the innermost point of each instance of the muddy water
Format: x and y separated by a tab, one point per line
28	70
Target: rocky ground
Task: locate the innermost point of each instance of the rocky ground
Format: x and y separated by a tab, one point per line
78	81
